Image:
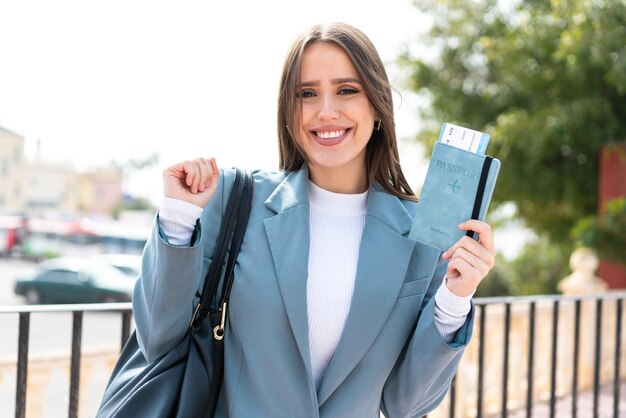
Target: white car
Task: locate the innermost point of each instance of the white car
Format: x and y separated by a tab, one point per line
129	264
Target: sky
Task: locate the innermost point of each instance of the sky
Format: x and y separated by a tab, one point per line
96	81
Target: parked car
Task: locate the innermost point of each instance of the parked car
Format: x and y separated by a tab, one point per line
129	264
74	280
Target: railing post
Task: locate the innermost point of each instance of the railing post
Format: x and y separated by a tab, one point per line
22	365
555	332
597	355
481	362
576	357
618	354
77	331
505	365
531	360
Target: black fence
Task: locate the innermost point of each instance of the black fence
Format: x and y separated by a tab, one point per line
78	312
613	341
482	307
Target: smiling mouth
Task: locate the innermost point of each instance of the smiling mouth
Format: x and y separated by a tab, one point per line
330	134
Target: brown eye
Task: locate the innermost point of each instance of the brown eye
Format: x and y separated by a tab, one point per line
305	94
348	91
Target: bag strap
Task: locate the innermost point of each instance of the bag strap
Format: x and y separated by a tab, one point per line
242	187
243	214
480	192
224	240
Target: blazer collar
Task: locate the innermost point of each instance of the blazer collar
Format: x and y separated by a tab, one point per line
388	209
292	191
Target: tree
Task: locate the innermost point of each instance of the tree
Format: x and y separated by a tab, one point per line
605	233
547	81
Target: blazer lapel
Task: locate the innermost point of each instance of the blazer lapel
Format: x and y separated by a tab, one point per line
288	236
384	256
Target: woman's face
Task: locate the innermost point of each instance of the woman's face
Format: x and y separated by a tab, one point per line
337	117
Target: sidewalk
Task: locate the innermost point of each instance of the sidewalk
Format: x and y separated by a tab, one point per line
585	405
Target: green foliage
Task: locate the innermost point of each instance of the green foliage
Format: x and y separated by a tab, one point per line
536	271
497	282
547	81
606	233
539	268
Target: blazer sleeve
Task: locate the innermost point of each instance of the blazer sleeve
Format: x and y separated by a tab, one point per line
422	375
171	278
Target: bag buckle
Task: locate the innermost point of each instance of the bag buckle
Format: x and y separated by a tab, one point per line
218	331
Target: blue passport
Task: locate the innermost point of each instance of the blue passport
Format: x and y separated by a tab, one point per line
458	187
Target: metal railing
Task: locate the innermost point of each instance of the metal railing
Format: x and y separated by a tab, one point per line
611	340
482	307
78	312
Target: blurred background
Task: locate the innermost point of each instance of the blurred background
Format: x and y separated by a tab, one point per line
97	98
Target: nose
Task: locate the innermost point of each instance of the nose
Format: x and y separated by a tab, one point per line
329	109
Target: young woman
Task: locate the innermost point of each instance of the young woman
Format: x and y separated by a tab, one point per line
334	311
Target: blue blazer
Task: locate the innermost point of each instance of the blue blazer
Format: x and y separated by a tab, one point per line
390	357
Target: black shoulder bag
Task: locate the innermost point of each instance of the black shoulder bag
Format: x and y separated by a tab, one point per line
186	381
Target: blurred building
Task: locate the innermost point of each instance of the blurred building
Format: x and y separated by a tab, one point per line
12	170
57	187
100	191
39	187
52	187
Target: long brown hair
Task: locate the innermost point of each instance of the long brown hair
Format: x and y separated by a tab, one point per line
383	162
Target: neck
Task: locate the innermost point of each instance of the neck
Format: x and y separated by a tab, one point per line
339	180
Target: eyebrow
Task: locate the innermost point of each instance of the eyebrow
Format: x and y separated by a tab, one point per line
333	81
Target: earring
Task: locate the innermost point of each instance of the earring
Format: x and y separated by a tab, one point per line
378	124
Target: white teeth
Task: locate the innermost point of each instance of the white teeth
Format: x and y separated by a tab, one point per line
331	134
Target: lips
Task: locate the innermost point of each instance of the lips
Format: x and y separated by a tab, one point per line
330	137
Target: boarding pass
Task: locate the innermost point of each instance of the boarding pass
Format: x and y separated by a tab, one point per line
464	138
